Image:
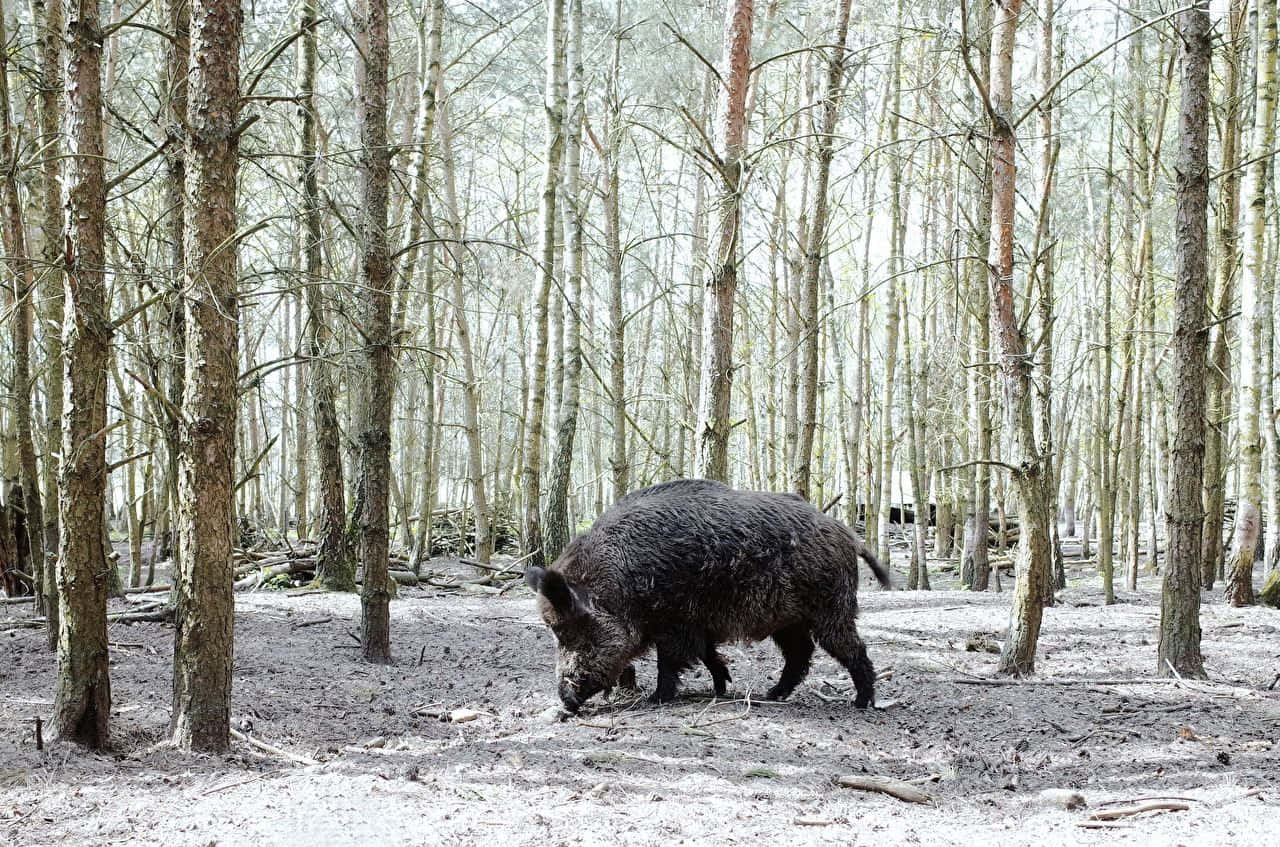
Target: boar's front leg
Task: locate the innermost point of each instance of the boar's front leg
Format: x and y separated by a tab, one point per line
797	649
675	655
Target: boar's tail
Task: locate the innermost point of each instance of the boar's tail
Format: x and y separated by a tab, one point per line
882	575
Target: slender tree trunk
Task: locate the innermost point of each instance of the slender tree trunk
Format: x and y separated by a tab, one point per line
379	359
618	461
1034	554
82	703
22	386
1179	650
977	546
713	425
48	15
554	104
335	568
815	250
1256	318
203	640
557	525
420	213
470	374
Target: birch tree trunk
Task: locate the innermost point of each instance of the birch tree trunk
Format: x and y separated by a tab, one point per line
618	461
557	528
1255	307
1179	649
554	105
713	425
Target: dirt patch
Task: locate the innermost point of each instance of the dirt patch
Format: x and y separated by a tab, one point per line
391	769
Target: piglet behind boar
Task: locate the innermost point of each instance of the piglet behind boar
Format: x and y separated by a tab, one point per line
686	565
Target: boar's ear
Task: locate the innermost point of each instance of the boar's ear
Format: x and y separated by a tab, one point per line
569	601
533	577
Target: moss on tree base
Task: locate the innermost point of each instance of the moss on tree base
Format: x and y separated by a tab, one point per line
1270	593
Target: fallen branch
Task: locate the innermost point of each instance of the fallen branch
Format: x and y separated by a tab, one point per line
268	748
883	785
1138	809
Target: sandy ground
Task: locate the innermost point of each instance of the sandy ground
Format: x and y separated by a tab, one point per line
389	770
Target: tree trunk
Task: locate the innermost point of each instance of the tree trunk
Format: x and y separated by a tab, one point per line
24	294
470	374
204	613
82	702
554	104
618	461
379	361
1179	650
1255	306
557	525
1034	554
713	425
48	15
335	568
815	250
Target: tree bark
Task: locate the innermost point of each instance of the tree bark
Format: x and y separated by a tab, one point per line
48	14
204	613
713	425
557	525
553	102
1255	306
82	701
1179	650
379	361
815	250
1034	553
23	293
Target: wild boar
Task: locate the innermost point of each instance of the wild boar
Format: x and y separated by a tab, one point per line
689	564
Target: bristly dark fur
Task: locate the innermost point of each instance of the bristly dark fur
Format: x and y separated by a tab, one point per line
686	565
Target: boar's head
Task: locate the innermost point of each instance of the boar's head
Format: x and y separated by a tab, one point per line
592	647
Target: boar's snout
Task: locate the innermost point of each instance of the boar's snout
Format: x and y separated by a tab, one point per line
569	697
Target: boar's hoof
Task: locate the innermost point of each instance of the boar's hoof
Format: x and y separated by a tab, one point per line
863	700
661	696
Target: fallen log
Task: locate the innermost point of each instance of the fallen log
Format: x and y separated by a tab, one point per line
883	785
257	578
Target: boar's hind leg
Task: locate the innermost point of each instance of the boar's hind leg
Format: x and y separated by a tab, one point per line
797	649
840	639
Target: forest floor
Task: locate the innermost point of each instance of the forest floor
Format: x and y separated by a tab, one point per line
370	757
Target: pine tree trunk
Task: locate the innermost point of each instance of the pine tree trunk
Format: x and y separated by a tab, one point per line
1034	558
379	359
1255	306
22	386
335	568
1179	650
203	641
815	250
82	703
713	425
48	15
